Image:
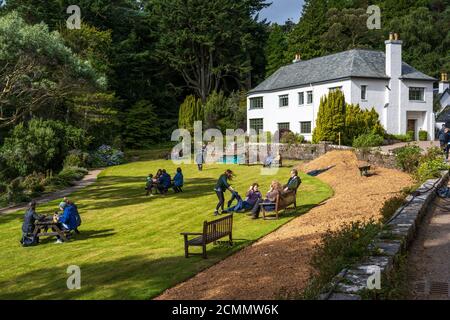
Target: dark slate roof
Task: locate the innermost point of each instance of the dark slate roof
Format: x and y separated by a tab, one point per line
352	63
440	95
444	115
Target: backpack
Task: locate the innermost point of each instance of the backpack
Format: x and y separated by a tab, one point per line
28	241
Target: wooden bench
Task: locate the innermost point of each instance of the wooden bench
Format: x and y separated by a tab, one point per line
282	202
212	231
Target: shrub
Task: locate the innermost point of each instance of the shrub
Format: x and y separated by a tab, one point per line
401	137
15	191
34	183
391	206
430	169
40	144
72	174
368	140
433	153
292	138
408	157
140	129
411	135
76	158
339	249
106	156
423	135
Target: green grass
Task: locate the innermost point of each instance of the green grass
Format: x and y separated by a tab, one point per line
130	246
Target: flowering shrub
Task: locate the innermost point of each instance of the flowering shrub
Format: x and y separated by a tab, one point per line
106	156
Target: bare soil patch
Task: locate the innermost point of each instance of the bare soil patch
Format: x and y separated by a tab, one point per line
280	261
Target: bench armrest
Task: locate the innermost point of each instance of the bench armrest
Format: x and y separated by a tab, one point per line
267	204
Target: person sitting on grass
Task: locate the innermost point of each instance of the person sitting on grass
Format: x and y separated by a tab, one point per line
149	185
271	198
221	186
178	181
252	196
293	182
164	182
28	225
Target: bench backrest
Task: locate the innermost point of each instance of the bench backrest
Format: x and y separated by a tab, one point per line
214	230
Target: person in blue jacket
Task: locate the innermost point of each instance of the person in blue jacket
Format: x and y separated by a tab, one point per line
164	182
178	181
70	219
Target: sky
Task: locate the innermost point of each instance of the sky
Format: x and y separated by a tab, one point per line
282	10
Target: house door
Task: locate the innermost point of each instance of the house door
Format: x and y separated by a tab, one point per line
412	126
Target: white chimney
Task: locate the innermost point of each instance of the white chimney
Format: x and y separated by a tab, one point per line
444	84
394	56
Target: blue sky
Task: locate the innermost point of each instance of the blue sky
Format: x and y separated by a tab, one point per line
281	10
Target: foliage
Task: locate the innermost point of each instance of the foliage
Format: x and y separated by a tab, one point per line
275	50
106	156
34	183
368	140
72	173
41	144
76	158
224	112
411	135
191	110
292	138
401	137
339	249
24	50
423	135
206	42
331	118
430	169
141	128
390	206
408	157
350	121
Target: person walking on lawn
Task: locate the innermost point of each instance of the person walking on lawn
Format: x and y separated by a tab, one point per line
221	186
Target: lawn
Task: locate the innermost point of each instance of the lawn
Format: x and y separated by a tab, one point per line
130	245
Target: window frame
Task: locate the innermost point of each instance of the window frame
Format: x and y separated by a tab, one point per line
301	127
308	95
253	99
414	90
302	95
284	123
365	86
256	119
281	98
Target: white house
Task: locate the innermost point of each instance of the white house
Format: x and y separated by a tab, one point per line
290	98
443	98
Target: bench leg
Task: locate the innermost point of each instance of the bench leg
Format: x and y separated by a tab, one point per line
186	247
231	239
204	251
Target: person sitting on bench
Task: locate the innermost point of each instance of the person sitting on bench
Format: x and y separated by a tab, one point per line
28	225
178	181
293	182
271	198
68	220
164	182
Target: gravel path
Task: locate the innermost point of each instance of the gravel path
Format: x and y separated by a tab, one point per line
88	179
429	256
279	263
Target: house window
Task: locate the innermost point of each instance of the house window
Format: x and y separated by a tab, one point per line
363	92
283	126
256	124
256	103
301	98
417	94
334	89
309	97
284	100
305	127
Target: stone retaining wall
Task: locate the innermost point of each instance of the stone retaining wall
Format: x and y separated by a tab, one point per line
388	245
